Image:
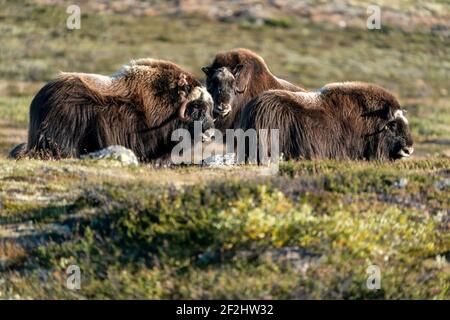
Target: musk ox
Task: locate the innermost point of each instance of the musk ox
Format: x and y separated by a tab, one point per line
234	78
340	121
138	107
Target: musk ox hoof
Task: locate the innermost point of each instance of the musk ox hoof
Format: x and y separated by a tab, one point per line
218	160
119	153
18	152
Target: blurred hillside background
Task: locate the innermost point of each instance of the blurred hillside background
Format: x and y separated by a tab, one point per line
308	232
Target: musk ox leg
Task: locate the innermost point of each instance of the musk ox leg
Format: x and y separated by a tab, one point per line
69	138
54	143
63	133
62	119
18	152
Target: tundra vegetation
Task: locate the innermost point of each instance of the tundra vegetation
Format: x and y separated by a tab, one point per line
310	231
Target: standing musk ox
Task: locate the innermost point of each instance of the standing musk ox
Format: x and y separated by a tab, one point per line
234	78
138	107
340	121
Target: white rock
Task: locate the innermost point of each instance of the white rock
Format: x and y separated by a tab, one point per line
219	160
119	153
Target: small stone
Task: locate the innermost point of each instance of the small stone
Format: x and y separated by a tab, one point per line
119	153
219	160
402	183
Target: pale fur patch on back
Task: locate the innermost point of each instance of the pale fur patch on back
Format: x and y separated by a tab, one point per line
100	84
143	62
283	82
138	66
398	114
96	82
311	97
92	78
345	84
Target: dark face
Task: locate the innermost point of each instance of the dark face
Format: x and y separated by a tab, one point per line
396	139
221	84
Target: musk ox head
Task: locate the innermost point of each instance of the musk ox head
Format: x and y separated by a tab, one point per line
223	84
228	77
393	138
197	105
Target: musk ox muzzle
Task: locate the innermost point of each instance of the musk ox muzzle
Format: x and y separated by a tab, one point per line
406	152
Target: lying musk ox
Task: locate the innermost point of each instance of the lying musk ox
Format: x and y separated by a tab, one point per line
340	121
138	107
234	78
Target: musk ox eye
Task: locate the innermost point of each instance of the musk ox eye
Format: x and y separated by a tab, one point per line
392	126
206	70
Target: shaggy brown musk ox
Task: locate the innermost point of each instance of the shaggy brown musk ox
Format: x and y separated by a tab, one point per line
138	107
234	78
340	121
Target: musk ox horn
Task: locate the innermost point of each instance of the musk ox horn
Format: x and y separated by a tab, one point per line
240	91
182	110
194	95
237	74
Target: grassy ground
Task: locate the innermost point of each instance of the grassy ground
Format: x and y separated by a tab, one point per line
310	231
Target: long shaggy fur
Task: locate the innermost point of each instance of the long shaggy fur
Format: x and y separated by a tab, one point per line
340	121
137	108
255	78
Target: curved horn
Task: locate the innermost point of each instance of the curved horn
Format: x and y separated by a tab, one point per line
195	94
182	110
237	74
240	91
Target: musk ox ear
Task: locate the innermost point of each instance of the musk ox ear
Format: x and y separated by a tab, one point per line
206	70
241	75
